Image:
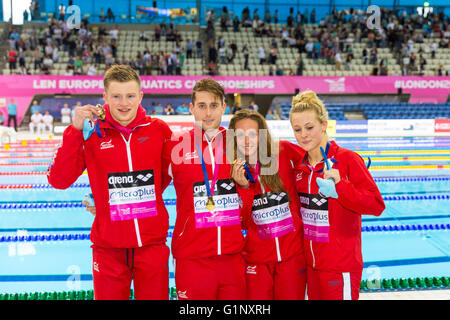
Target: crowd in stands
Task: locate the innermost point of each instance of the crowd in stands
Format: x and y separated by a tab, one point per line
87	51
330	42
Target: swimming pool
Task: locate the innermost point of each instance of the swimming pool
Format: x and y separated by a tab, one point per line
44	233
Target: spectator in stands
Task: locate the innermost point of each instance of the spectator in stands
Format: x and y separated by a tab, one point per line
338	59
236	108
229	54
198	45
12	113
110	15
78	65
55	54
36	122
189	48
35	107
47	122
245	52
279	71
412	62
300	65
114	33
275	16
253	105
48	62
236	24
182	109
157	32
21	56
373	55
433	47
37	57
12	58
271	72
422	62
2	119
262	54
440	70
273	55
309	47
66	114
222	55
365	55
92	71
348	62
272	115
168	110
102	15
158	109
68	71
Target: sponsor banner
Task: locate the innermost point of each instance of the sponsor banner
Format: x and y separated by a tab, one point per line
422	89
352	126
401	127
441	125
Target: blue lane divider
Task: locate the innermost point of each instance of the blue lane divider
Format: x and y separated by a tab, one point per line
376	179
406	227
46	186
85	236
55	205
417	197
410	179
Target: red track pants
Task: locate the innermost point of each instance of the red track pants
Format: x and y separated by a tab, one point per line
325	285
114	268
285	280
215	278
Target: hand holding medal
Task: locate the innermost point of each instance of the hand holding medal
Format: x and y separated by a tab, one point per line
241	173
327	185
89	123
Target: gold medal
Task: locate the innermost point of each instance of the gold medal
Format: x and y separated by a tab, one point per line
210	204
101	112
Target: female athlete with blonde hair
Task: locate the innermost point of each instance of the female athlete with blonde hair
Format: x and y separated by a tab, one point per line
331	209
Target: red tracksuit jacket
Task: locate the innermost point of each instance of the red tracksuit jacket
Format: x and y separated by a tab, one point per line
199	233
127	179
273	239
332	227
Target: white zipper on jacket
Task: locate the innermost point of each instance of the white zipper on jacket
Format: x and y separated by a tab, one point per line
277	244
130	168
310	241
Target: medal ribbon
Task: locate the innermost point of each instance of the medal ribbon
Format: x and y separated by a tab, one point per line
311	167
209	189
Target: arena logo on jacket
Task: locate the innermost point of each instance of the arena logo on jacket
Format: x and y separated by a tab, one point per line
226	200
132	195
314	210
272	215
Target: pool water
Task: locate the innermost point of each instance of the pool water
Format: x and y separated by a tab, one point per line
49	248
